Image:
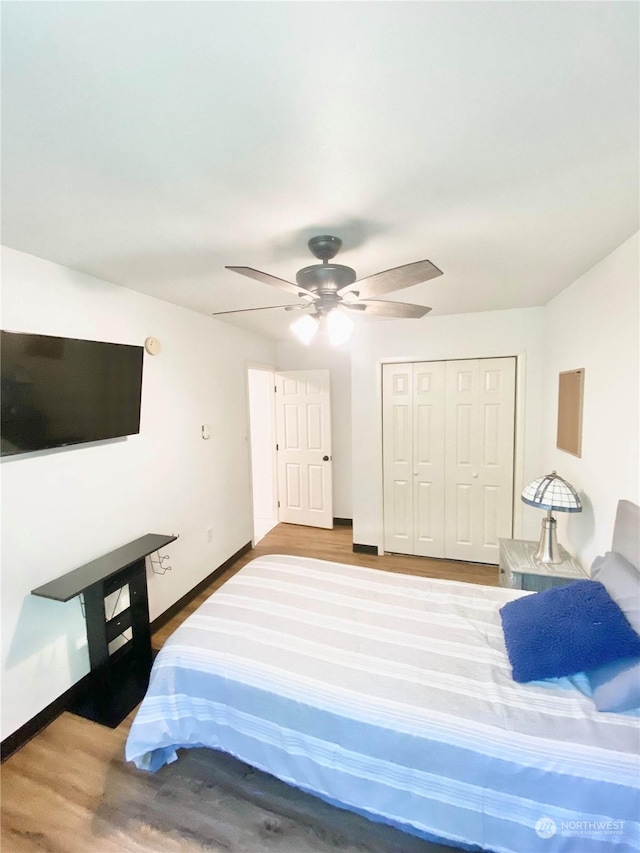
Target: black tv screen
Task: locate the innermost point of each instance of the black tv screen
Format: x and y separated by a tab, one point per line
58	392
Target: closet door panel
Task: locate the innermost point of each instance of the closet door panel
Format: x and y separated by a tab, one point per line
460	458
400	526
428	456
397	443
479	457
497	379
448	439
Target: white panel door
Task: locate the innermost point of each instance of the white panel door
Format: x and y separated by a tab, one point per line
448	445
480	422
413	458
428	458
397	443
303	423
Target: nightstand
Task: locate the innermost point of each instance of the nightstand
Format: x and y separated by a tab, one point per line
519	570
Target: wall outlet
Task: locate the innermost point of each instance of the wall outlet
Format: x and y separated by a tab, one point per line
209	535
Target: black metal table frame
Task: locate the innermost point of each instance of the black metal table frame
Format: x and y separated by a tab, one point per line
119	680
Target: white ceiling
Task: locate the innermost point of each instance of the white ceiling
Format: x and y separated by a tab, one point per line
151	143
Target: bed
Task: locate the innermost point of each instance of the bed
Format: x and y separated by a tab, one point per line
391	695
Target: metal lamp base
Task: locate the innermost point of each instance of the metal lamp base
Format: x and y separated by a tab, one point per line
548	551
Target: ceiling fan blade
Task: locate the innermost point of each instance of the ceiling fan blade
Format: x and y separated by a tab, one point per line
265	278
382	308
264	308
394	279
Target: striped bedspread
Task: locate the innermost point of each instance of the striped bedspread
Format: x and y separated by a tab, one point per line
391	695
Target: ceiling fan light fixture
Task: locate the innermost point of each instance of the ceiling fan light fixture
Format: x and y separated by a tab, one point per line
339	327
305	328
325	286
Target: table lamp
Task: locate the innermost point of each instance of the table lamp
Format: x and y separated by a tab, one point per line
552	493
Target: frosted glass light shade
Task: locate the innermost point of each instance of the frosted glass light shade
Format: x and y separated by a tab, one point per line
305	328
339	327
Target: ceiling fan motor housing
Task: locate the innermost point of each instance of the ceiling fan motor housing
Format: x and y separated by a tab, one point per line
325	278
324	286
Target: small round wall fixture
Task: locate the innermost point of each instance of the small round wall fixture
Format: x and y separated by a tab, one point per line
152	346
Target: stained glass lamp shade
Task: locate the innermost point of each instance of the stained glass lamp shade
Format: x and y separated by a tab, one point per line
554	494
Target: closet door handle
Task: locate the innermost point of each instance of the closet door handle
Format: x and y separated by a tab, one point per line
325	458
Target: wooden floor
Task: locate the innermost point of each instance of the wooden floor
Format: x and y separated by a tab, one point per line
59	790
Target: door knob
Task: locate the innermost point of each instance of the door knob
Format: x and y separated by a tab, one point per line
475	476
325	458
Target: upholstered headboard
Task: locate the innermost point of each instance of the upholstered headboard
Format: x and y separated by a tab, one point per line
626	532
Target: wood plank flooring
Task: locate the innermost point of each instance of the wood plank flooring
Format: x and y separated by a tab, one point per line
69	790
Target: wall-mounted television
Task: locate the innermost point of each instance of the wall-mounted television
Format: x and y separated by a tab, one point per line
58	392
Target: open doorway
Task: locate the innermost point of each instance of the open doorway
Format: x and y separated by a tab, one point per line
290	443
262	433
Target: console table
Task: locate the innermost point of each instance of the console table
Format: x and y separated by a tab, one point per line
119	680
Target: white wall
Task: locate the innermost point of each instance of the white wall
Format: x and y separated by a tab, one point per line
490	334
595	324
262	419
63	508
294	356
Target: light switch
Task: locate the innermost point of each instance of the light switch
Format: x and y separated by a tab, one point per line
206	433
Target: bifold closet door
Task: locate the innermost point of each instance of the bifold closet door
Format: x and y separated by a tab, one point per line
448	440
413	461
480	421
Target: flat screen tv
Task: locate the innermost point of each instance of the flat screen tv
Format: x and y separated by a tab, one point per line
58	392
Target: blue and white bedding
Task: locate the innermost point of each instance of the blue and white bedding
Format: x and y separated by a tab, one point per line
392	695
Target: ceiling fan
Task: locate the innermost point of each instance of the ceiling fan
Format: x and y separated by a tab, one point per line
325	286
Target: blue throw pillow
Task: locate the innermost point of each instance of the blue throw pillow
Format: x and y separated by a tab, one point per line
565	630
